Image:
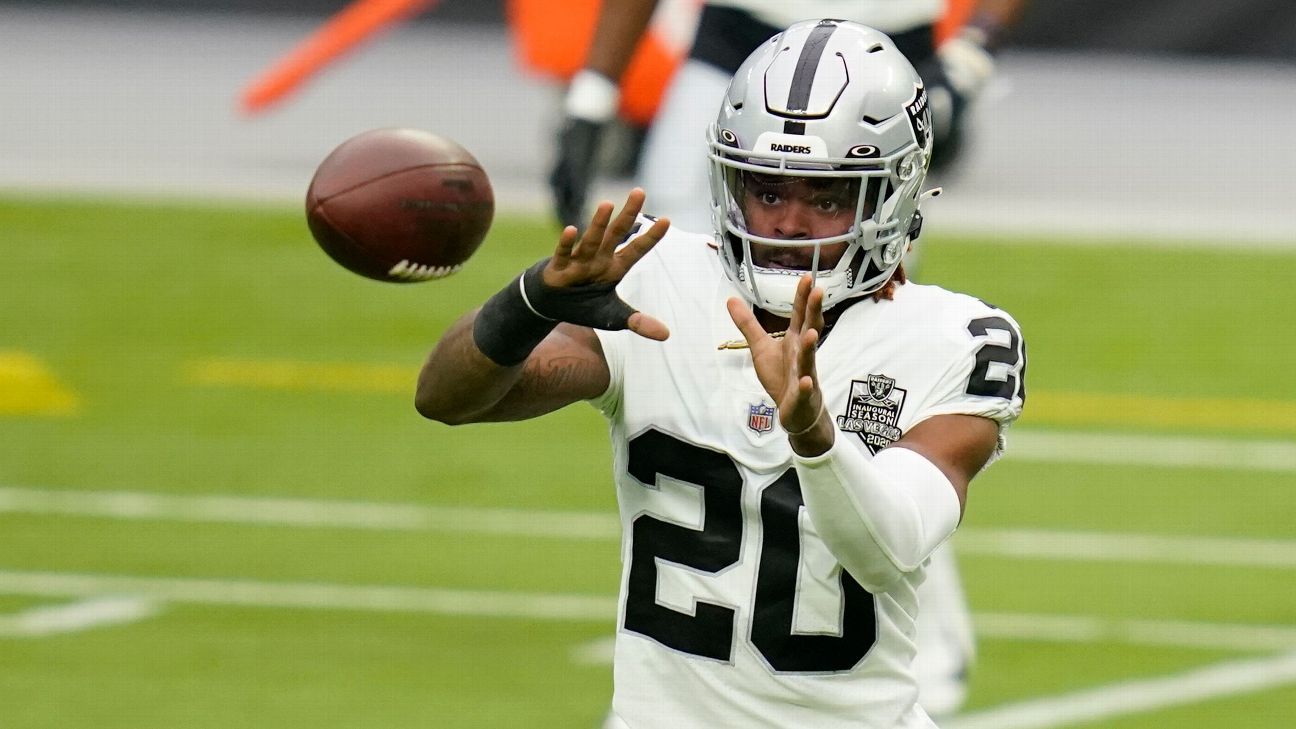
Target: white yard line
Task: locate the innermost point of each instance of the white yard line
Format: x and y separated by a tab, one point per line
1111	449
146	591
309	513
1112	547
1131	697
315	596
1080	629
1164	633
242	510
597	652
96	612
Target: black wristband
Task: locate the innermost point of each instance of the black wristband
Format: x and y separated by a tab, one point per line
593	305
507	329
512	322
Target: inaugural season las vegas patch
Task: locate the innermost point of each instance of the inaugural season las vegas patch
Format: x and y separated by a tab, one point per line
873	411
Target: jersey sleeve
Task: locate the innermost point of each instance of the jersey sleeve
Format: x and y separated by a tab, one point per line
616	345
987	374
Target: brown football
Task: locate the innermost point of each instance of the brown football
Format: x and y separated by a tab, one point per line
400	205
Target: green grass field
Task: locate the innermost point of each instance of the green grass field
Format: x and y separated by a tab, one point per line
192	398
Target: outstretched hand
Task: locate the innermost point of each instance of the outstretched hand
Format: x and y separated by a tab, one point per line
786	366
596	257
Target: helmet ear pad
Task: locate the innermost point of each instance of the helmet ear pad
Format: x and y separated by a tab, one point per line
831	99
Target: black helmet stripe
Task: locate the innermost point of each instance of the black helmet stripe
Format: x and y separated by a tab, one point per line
808	64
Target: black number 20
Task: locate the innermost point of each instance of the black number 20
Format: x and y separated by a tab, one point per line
708	632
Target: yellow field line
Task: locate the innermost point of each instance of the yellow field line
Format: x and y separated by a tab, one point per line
1043	408
27	387
1167	413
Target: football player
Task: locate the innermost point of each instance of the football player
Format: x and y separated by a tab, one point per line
952	44
794	425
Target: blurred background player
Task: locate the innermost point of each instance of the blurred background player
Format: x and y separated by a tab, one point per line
952	48
552	39
951	44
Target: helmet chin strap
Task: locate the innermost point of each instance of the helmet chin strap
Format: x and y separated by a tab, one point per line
915	228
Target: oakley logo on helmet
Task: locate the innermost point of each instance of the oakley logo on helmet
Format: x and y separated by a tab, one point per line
862	151
728	138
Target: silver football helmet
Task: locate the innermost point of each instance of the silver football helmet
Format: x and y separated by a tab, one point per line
823	99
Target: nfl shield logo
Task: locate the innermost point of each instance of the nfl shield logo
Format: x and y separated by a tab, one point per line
760	417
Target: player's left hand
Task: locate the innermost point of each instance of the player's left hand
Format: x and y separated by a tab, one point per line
786	366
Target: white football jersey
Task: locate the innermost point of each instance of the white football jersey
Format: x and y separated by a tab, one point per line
732	611
888	16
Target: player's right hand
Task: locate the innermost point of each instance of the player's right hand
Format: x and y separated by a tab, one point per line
590	105
955	77
947	104
578	283
573	169
968	65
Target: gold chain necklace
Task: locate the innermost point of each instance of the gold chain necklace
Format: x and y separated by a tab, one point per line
742	343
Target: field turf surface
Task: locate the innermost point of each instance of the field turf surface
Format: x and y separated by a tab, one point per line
218	507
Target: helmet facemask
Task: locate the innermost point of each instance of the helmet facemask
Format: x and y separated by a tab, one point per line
853	242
